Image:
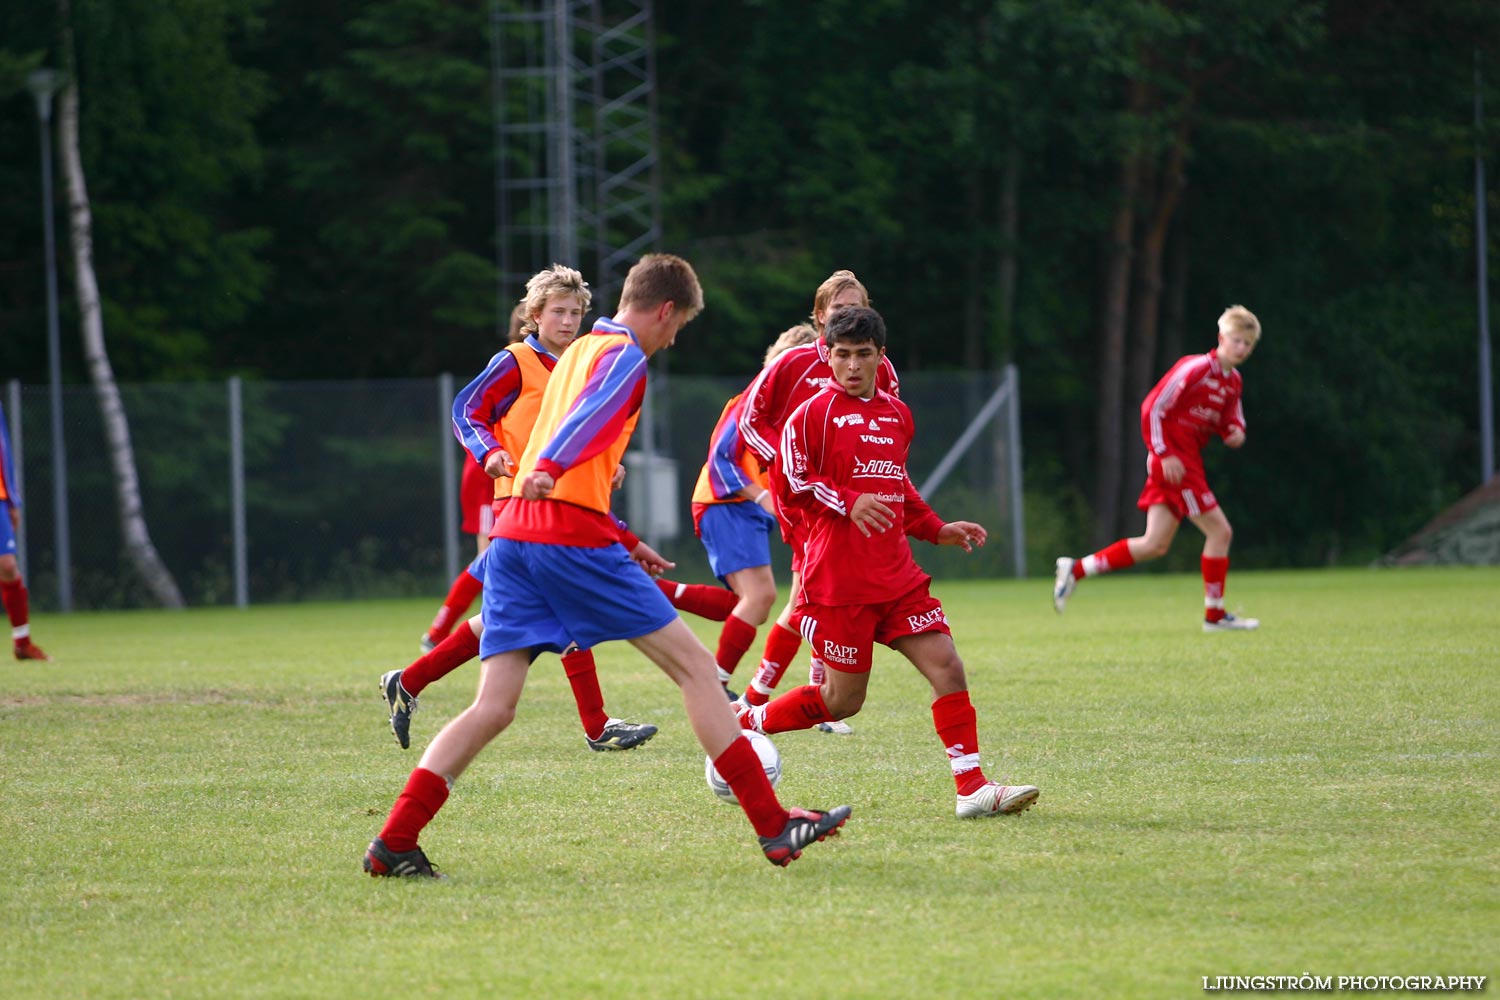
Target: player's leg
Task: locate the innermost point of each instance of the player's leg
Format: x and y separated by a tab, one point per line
14	596
461	593
601	731
783	833
954	718
401	687
701	599
755	591
845	636
1217	536
782	643
395	851
1161	527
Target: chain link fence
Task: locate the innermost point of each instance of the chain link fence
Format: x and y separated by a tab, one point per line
346	490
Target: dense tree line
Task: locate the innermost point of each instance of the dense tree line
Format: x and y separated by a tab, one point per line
305	190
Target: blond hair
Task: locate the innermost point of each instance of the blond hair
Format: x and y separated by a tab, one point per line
1238	319
546	285
659	278
796	336
835	283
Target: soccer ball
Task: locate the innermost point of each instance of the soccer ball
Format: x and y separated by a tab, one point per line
770	759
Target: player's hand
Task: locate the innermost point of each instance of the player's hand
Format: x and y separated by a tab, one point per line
618	479
498	463
650	560
1172	469
868	513
965	534
536	485
1235	437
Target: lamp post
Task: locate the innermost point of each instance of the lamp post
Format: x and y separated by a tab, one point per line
43	84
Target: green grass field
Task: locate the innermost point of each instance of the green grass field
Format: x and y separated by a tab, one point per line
187	797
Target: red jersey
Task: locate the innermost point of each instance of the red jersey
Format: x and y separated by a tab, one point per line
785	384
834	448
1194	400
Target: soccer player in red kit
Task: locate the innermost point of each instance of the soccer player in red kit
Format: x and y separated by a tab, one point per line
780	388
1197	399
13	592
557	575
843	466
733	514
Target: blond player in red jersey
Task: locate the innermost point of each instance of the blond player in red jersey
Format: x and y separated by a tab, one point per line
1197	399
843	466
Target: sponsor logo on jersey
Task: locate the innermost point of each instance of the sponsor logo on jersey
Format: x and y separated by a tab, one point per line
920	623
880	468
876	439
852	419
816	383
841	654
1207	414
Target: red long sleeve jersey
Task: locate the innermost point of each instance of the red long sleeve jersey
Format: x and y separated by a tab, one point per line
835	447
1194	400
786	383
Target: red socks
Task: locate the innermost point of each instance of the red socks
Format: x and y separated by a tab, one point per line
419	801
455	606
781	645
13	596
1215	569
957	726
1114	556
739	765
460	647
734	642
799	708
713	603
584	679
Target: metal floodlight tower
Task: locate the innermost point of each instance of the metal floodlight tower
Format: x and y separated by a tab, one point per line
576	151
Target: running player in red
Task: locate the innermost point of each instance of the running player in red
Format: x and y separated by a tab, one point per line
556	575
493	417
843	466
1198	398
733	514
780	387
13	592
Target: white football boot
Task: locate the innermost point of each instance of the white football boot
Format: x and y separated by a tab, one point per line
1063	583
1231	623
993	798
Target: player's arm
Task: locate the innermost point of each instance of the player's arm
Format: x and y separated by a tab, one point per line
613	391
726	473
758	408
481	405
1234	430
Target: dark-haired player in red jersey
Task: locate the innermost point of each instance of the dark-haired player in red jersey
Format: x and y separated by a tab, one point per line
556	575
1196	400
843	466
779	389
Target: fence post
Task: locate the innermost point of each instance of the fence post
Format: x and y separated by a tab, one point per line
237	491
450	476
1017	505
17	461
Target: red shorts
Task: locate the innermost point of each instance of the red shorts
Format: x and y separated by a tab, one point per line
844	636
1188	498
476	491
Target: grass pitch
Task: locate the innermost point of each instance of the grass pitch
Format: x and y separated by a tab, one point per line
187	796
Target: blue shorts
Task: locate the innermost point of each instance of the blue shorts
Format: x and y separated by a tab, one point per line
476	568
7	533
737	536
548	597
